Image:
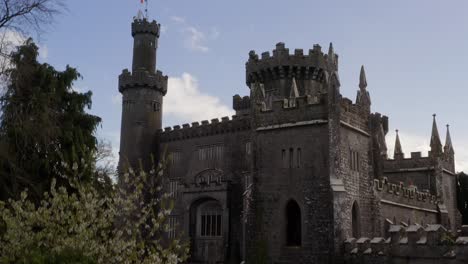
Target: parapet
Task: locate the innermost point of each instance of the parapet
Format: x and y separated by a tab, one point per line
143	79
415	244
400	190
142	26
206	128
282	65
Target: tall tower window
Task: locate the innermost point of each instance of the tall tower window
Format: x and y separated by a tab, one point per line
291	158
299	157
356	225
354	160
293	224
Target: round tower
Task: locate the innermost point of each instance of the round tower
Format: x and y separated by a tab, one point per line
284	74
142	90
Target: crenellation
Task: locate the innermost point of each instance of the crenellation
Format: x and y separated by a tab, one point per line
144	26
143	79
387	189
284	65
298	52
206	128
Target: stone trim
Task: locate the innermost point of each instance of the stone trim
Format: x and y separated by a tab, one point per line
354	128
288	125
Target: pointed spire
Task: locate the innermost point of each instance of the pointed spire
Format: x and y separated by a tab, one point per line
294	93
448	149
331	51
436	145
362	79
398	150
332	59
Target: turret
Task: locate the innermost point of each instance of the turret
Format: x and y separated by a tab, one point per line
436	145
142	90
398	152
449	152
363	97
276	72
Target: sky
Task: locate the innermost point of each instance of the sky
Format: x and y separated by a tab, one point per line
414	52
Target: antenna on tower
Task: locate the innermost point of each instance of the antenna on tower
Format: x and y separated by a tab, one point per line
146	8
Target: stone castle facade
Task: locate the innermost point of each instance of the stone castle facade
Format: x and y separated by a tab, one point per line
299	175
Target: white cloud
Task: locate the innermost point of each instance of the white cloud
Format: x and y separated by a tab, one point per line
178	19
186	102
414	143
195	40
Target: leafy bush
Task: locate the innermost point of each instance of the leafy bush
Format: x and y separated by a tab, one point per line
128	226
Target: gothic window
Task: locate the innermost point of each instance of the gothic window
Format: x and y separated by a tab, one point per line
292	158
215	152
175	158
172	227
173	188
210	220
356	225
354	160
248	148
293	224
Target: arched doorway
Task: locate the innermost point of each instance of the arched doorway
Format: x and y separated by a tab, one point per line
356	224
207	231
293	224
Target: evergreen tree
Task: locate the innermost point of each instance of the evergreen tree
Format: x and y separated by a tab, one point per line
44	127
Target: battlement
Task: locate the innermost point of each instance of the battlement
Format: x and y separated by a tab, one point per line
414	244
240	103
142	26
143	79
206	128
282	65
404	194
354	114
415	161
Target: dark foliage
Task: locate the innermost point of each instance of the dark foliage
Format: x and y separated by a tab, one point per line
44	129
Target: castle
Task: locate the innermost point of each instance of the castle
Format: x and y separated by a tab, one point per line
299	175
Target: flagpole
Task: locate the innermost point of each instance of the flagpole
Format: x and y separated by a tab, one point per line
146	9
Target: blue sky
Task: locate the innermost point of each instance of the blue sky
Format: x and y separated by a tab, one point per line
414	53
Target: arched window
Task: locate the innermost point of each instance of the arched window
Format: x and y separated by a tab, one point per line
210	219
293	224
356	225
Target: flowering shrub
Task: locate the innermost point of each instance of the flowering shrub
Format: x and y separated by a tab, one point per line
126	226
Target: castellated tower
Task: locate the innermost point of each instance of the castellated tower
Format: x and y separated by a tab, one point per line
143	90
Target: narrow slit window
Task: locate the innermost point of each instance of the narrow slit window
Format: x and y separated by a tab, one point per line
299	156
291	158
